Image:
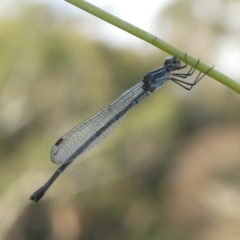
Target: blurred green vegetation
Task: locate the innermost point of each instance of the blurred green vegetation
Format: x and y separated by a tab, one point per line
169	171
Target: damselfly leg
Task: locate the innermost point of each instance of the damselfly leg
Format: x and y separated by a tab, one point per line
184	84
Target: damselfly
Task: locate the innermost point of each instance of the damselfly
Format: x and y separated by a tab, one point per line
92	131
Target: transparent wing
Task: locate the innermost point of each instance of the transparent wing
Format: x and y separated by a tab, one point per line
92	131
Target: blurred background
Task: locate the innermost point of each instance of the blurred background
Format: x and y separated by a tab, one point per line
171	170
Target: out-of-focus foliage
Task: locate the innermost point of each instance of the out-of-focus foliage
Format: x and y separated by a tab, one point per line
171	169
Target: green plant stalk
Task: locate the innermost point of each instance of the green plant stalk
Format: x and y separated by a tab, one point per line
157	42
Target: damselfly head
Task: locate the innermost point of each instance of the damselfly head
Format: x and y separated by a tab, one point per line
172	63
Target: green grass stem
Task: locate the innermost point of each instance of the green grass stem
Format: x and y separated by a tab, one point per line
155	41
